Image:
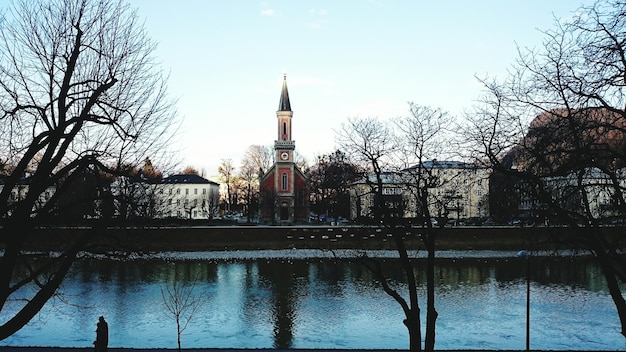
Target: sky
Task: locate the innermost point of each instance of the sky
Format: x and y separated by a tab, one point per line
349	58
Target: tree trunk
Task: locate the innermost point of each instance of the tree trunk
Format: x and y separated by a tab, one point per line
614	289
178	331
412	323
8	262
431	312
26	313
598	247
412	320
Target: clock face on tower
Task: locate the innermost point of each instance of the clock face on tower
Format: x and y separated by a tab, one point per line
284	155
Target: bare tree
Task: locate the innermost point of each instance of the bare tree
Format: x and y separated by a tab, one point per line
249	177
425	135
79	92
557	125
190	170
399	157
260	157
372	145
182	303
329	182
227	171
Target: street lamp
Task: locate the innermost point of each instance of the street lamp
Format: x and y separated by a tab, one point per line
526	255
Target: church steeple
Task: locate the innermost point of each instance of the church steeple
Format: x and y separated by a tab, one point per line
283	195
284	104
284	144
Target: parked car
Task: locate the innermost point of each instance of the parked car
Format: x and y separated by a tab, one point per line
489	222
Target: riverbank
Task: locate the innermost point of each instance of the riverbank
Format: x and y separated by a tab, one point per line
61	349
217	238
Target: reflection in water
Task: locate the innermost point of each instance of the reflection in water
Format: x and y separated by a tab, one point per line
330	303
283	300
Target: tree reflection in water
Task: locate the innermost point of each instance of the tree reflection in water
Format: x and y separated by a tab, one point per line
330	303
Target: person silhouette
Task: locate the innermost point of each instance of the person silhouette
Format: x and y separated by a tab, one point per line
102	335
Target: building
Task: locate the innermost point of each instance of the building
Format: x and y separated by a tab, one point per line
21	189
283	196
456	190
362	196
462	189
177	196
187	197
569	192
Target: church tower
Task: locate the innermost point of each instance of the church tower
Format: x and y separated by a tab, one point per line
284	145
283	187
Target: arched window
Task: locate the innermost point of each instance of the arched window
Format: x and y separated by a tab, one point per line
284	182
284	128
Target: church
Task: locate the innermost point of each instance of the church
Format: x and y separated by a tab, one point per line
283	195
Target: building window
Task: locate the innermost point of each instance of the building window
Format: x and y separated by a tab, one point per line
195	191
177	190
284	182
186	191
388	191
284	128
204	191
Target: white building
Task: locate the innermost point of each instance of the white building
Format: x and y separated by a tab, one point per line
456	190
598	186
177	196
187	197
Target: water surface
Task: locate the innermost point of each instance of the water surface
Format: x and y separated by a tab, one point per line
313	299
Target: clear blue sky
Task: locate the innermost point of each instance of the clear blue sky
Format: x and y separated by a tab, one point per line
348	58
342	59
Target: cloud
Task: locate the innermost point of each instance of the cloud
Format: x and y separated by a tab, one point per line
268	12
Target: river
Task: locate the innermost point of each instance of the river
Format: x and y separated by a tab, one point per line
316	299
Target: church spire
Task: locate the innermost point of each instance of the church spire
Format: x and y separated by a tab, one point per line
284	104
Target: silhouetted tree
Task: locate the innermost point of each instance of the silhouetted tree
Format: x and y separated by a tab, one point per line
260	157
558	125
190	170
424	135
80	94
329	183
227	173
249	177
394	154
182	302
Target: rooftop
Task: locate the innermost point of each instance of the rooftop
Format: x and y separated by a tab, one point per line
188	179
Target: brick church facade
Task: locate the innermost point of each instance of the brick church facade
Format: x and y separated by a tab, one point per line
283	188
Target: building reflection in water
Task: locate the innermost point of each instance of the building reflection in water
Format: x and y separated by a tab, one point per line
326	303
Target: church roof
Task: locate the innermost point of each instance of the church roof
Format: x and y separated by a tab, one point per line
284	104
